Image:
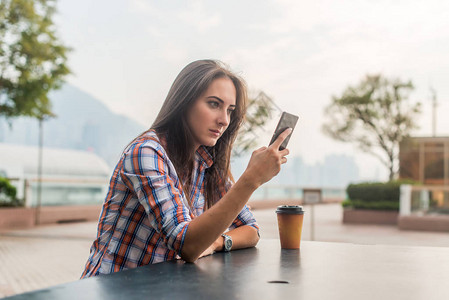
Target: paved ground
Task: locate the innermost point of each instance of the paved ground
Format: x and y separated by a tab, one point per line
49	255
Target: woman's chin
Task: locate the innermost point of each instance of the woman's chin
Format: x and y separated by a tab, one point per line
210	143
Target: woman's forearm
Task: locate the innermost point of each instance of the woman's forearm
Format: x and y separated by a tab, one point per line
206	228
242	237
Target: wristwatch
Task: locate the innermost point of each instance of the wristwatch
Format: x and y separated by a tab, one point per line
227	245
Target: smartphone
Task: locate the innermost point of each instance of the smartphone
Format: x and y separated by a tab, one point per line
287	121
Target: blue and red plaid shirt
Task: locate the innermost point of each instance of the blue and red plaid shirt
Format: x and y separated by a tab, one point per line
145	215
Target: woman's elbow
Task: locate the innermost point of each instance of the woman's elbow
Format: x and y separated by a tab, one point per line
255	237
189	254
189	259
255	240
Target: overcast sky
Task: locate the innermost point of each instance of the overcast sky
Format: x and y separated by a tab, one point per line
127	54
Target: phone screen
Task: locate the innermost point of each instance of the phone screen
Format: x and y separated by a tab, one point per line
287	121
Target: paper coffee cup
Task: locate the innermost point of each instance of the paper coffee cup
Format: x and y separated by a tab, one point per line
290	219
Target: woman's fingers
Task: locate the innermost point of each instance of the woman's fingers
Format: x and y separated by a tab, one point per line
284	152
208	251
266	162
260	149
277	143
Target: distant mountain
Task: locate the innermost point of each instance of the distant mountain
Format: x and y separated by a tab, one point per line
82	123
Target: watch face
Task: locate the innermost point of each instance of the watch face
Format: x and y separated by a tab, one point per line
228	244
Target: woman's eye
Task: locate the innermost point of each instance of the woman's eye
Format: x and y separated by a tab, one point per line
213	104
230	111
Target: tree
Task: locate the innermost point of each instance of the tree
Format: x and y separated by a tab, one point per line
8	193
32	59
376	116
259	112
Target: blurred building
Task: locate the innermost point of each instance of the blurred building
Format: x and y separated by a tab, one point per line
425	160
69	177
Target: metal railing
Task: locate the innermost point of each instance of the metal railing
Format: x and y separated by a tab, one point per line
269	192
61	190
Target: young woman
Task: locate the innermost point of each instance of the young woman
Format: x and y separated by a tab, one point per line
172	194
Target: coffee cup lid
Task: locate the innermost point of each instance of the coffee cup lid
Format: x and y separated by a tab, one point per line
290	209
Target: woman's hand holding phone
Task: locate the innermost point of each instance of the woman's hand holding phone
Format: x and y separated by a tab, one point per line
265	162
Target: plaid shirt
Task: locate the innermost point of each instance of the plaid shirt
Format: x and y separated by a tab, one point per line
145	215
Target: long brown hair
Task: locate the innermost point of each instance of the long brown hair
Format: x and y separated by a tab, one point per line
171	123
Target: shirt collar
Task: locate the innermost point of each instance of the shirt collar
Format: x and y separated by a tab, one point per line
204	157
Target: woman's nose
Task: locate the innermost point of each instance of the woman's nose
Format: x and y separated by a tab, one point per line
224	119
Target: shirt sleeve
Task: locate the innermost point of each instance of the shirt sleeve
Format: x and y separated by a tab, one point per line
146	171
245	217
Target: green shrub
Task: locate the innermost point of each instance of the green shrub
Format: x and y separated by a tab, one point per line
379	205
346	203
374	195
8	194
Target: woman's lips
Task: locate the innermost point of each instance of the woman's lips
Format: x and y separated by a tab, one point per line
215	132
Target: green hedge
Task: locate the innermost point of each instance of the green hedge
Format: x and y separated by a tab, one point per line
379	205
374	195
8	194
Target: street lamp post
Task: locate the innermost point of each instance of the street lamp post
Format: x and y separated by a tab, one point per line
434	111
39	170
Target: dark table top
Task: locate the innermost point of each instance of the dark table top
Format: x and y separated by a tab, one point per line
317	271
